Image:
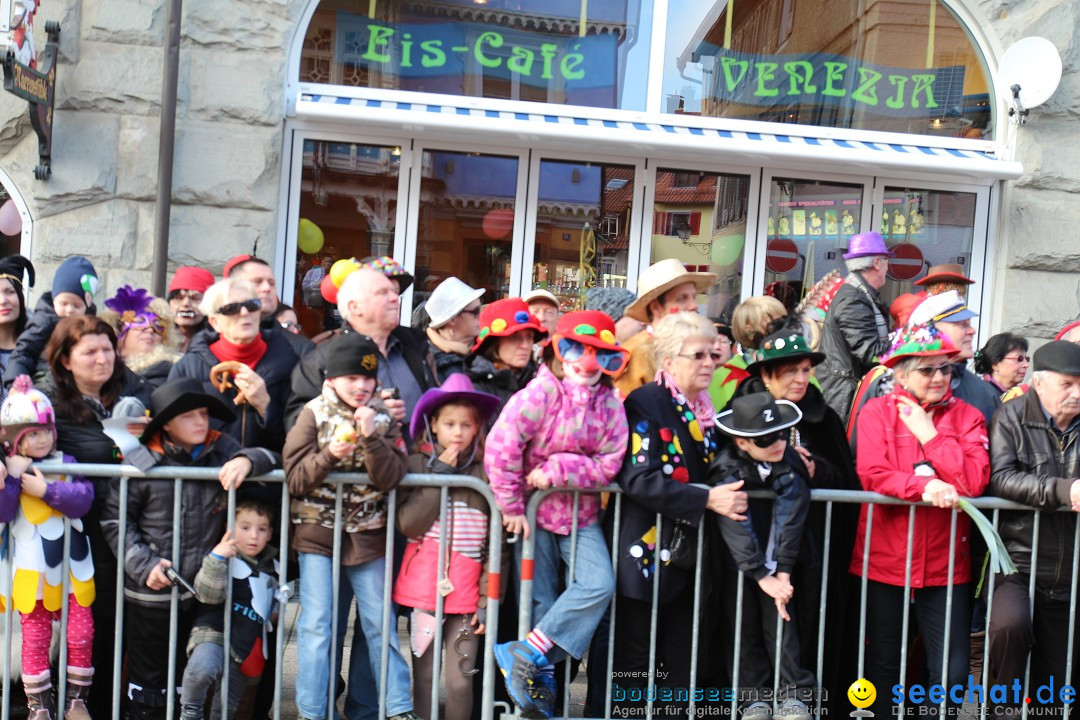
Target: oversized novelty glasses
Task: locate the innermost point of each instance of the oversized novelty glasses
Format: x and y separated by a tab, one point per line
252	306
611	362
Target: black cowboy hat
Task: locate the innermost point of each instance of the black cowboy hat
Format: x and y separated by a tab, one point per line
758	414
177	397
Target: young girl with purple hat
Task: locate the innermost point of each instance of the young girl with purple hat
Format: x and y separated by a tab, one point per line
448	423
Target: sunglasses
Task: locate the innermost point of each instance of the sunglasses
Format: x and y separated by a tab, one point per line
252	306
929	372
611	362
765	441
700	355
475	312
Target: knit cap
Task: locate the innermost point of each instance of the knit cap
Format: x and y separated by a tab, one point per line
610	300
77	276
26	408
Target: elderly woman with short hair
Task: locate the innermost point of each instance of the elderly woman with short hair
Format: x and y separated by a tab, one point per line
259	364
672	442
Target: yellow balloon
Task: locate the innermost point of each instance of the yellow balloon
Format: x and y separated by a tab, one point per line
341	270
309	237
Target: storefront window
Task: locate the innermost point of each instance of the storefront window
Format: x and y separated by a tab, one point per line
467	203
866	64
808	228
566	52
582	228
348	208
700	219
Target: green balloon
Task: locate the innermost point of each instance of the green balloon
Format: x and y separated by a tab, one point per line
726	250
309	237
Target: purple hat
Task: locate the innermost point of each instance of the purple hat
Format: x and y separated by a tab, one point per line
865	244
456	387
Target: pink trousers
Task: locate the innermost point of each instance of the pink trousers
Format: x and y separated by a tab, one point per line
37	637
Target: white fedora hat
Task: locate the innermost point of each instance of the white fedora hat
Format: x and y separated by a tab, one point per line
448	300
660	277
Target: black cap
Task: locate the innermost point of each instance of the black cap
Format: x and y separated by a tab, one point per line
353	354
1058	356
179	396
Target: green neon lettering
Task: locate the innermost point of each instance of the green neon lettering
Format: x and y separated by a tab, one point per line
548	51
379	37
834	72
433	54
521	61
923	84
766	71
406	50
571	64
866	93
800	70
493	39
728	63
896	102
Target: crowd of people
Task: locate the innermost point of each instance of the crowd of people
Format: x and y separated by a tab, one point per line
685	414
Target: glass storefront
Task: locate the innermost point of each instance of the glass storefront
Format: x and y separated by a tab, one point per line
565	52
865	64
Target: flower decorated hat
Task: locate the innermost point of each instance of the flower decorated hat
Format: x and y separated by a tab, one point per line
783	347
133	306
503	318
918	341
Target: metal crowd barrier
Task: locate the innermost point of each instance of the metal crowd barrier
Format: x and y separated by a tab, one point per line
489	706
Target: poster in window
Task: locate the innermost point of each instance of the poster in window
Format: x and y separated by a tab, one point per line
885	224
916	222
783	227
832	225
798	223
816	224
847	223
899	224
772	227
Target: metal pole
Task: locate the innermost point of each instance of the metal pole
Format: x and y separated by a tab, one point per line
166	145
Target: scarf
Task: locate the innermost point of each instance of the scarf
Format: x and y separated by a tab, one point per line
249	354
447	345
702	405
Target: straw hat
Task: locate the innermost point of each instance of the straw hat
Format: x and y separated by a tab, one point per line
660	277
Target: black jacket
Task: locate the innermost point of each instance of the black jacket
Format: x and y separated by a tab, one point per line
650	486
27	357
299	344
149	536
307	378
851	343
975	391
275	368
500	383
1032	464
785	516
446	363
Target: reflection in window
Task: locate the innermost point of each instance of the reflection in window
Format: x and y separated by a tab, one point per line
700	219
582	228
467	203
349	192
868	64
567	52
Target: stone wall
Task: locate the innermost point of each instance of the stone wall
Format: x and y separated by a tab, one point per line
100	199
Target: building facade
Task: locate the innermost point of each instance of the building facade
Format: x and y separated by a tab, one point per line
565	144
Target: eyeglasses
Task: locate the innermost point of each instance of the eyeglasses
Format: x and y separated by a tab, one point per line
1018	358
702	354
766	440
611	362
252	306
475	312
929	372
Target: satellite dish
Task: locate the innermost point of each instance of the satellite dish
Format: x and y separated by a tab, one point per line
1029	73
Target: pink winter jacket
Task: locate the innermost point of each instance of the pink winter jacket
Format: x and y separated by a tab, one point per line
578	435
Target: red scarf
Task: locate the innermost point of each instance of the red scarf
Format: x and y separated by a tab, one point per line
249	354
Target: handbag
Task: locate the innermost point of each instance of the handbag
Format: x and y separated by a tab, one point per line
682	551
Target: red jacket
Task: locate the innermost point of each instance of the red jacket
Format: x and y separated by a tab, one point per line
888	453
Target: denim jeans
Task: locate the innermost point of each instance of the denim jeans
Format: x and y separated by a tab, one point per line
313	634
204	670
570	619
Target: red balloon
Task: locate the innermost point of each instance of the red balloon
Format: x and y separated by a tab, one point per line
328	290
498	222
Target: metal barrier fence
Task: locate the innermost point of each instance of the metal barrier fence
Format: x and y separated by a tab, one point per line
489	706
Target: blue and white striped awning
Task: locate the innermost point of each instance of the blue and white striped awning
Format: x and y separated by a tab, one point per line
447	119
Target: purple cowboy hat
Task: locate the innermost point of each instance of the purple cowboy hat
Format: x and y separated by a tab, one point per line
456	387
864	244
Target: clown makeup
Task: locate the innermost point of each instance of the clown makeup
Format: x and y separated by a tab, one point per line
37	443
583	364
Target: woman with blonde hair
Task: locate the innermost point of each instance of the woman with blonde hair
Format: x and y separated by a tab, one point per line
750	323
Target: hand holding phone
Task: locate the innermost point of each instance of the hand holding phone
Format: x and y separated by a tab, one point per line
177	579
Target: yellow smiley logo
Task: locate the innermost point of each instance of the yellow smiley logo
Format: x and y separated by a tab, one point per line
862	693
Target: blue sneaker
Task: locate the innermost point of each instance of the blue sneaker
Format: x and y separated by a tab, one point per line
519	662
543	691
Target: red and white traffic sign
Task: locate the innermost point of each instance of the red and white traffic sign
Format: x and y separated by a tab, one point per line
781	256
906	263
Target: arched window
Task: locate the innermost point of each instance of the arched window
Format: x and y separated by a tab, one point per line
906	66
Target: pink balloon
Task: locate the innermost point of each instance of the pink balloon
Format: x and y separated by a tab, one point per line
10	219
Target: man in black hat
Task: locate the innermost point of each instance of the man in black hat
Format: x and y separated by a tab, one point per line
1035	460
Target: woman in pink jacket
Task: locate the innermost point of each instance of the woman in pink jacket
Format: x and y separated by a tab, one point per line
927	446
560	432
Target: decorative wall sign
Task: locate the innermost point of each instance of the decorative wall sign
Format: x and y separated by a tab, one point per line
37	85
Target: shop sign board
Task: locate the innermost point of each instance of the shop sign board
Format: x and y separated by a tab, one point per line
37	85
906	262
781	256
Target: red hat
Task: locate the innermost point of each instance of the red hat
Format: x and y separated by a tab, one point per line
505	317
191	278
234	261
903	305
1065	330
589	327
946	273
